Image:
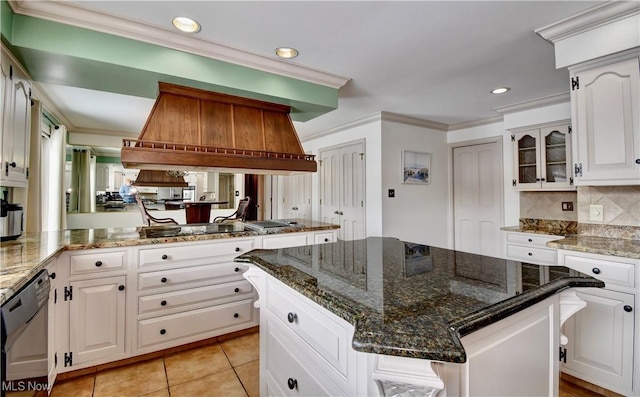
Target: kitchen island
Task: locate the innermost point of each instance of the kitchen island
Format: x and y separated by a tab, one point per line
385	317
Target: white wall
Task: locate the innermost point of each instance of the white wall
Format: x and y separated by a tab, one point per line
369	130
417	213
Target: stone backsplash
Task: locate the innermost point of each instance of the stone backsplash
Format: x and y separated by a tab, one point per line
548	205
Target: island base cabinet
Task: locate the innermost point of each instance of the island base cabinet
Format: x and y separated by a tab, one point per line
600	348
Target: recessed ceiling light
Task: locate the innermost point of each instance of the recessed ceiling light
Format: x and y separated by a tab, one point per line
185	24
500	90
286	52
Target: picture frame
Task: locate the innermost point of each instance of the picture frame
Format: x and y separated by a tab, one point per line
416	167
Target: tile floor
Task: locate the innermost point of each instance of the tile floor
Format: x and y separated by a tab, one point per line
227	368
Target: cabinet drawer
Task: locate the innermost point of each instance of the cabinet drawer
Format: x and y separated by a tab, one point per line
211	252
323	334
610	272
97	262
220	273
530	239
532	255
285	366
284	241
181	299
323	238
195	322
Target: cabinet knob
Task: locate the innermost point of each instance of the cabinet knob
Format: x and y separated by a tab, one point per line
98	263
163	331
13	164
326	240
163	280
530	240
121	288
163	303
237	269
237	249
530	254
595	270
292	383
291	317
52	276
237	290
628	308
637	161
542	179
236	315
165	257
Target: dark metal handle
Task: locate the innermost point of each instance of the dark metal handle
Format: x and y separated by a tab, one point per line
52	275
237	249
237	269
336	212
237	290
637	161
530	254
538	179
595	270
99	263
628	308
542	179
163	303
292	383
291	317
165	257
12	164
121	288
326	240
530	240
163	331
236	315
163	280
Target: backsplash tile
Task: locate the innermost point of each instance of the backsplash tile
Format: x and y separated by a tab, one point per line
548	205
621	204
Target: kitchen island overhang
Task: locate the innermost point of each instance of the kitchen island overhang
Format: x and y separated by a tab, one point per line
413	301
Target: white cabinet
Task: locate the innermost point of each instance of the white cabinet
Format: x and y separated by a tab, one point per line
342	184
605	104
16	124
531	248
542	158
287	240
102	177
602	336
296	196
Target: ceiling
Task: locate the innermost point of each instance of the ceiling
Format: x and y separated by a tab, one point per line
431	60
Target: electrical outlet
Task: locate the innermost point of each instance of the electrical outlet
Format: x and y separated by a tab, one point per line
596	213
392	192
567	205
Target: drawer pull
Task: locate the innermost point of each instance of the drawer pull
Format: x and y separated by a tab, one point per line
163	280
52	275
163	331
98	263
326	240
628	308
121	288
530	254
236	315
291	317
237	269
595	270
237	249
292	383
237	290
163	303
530	240
165	257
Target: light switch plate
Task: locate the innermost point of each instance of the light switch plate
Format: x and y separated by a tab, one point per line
596	213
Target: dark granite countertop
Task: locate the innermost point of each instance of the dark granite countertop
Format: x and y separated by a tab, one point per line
408	299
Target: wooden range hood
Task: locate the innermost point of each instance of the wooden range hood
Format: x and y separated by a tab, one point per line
195	130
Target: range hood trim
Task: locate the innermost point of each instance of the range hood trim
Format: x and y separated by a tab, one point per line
159	178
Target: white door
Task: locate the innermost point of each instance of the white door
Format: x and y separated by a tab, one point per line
342	189
477	198
296	196
96	318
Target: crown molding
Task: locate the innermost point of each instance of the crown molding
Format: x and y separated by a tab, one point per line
475	123
376	117
71	14
592	18
399	118
534	103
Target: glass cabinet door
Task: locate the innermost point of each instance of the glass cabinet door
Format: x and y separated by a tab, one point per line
555	146
526	155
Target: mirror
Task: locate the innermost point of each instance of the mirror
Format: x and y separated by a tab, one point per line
93	182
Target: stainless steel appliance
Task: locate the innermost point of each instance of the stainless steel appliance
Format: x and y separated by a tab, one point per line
19	315
10	220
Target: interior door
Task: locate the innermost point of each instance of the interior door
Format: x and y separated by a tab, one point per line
477	198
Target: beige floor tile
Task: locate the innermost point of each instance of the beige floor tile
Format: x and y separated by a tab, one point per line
132	380
249	375
77	387
195	363
242	349
159	393
25	393
224	383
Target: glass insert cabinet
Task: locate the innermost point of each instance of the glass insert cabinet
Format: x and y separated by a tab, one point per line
542	158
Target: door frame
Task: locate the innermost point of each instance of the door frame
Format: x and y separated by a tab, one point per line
498	140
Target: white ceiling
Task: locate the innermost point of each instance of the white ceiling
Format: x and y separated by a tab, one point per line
433	60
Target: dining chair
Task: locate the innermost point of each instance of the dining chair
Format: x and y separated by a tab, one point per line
239	215
148	218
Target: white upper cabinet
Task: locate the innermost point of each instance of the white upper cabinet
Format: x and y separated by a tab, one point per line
605	105
542	158
16	125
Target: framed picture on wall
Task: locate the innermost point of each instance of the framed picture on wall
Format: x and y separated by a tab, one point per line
416	167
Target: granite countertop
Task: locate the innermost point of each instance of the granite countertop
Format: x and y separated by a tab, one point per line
23	258
407	299
547	231
599	245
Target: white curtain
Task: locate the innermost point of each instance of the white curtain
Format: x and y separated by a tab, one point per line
34	199
57	200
